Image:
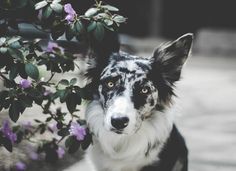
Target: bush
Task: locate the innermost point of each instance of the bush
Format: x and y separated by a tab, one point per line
22	58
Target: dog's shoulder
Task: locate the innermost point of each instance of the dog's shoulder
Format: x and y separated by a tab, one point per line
173	156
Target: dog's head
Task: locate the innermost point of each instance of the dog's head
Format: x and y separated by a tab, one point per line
130	88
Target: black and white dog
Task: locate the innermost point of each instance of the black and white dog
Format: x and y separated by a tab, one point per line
132	128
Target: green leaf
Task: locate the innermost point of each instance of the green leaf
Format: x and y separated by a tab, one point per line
71	102
110	8
14	111
40	5
47	12
73	81
87	141
64	82
69	141
72	144
108	22
13	72
3	50
2	40
92	26
63	132
56	7
119	19
32	71
15	53
99	32
6	143
12	40
69	34
79	27
91	12
26	101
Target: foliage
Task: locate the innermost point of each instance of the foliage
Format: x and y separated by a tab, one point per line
25	86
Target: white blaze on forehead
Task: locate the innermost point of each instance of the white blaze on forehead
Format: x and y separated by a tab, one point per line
121	106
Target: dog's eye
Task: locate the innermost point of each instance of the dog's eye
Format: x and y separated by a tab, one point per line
145	90
110	84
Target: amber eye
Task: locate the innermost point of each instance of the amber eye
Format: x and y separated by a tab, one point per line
144	90
110	84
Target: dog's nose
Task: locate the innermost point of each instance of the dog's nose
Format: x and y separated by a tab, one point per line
119	122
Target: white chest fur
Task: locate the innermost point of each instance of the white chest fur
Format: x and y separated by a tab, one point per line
114	152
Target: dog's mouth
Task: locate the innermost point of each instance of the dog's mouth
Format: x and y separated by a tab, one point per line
117	131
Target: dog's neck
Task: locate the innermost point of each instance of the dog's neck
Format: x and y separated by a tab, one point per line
141	148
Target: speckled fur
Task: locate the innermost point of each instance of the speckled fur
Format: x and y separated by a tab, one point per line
150	123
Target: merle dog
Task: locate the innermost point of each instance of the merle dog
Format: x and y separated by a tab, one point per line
128	116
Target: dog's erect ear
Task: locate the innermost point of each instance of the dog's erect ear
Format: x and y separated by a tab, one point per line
169	59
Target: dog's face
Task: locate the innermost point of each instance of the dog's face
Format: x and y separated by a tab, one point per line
127	93
130	88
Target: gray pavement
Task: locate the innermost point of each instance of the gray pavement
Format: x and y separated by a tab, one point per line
207	100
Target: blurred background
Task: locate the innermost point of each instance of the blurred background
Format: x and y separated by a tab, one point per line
206	104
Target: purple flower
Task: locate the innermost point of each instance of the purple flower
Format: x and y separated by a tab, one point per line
6	130
78	131
53	127
20	166
33	155
60	152
70	13
27	125
52	46
47	92
25	83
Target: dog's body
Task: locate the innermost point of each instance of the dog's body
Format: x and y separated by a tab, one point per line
132	129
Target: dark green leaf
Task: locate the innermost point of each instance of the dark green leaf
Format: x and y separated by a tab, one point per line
99	32
64	82
87	141
38	121
79	27
69	33
71	102
22	72
13	72
26	101
69	141
7	143
62	94
92	26
73	81
15	53
47	12
63	132
32	71
72	144
14	110
78	99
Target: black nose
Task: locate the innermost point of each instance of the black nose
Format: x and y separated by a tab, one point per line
119	122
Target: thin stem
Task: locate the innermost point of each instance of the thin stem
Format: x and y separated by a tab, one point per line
52	75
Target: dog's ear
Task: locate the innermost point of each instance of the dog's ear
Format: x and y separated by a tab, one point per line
169	59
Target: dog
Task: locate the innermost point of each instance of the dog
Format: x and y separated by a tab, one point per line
128	116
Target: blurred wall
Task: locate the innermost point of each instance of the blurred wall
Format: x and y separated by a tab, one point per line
171	18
